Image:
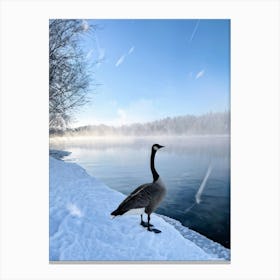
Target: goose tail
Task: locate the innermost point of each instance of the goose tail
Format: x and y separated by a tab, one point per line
117	212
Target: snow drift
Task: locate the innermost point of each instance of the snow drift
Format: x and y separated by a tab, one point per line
81	228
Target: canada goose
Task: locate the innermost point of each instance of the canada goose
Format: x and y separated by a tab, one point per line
145	198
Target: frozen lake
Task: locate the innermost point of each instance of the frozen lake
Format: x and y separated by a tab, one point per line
123	164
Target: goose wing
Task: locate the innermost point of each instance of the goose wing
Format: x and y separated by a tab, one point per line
139	198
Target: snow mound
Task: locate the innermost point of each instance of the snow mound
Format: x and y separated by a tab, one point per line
81	228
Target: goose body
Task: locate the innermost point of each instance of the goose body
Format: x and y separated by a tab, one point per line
146	198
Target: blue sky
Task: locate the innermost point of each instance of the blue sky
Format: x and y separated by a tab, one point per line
153	69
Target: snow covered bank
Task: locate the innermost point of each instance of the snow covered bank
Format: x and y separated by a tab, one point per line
209	246
81	228
58	154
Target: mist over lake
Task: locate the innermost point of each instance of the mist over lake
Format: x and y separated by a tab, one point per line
123	163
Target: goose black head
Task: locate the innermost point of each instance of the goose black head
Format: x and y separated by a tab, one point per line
156	147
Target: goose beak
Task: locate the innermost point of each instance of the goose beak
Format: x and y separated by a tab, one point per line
160	146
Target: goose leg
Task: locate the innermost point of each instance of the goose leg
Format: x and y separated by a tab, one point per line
149	226
144	224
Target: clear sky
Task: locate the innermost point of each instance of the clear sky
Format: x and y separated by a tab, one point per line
153	69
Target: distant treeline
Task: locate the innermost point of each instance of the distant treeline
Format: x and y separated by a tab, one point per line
210	123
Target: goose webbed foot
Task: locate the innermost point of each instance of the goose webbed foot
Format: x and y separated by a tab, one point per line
154	230
149	226
144	224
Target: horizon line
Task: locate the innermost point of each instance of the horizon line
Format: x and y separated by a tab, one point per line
150	121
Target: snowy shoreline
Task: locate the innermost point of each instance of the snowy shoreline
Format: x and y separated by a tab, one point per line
81	228
208	245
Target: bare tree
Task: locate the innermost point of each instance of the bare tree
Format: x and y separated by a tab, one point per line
70	79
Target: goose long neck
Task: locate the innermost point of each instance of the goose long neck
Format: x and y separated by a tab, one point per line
154	172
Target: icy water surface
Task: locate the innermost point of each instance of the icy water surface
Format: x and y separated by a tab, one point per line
123	164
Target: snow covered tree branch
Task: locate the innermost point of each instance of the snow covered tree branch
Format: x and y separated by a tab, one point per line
70	78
